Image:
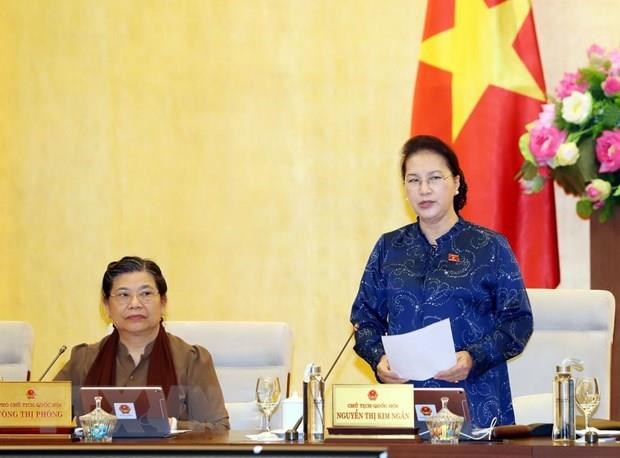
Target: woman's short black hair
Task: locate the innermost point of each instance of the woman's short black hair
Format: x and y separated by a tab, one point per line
129	264
429	143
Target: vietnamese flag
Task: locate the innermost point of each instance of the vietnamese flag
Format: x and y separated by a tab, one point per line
479	83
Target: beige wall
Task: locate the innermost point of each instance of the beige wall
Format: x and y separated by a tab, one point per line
249	147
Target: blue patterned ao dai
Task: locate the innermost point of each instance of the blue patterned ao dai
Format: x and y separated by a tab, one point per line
471	277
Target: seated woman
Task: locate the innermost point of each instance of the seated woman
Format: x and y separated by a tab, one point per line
139	352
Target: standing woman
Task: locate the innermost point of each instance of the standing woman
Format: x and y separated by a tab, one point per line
445	267
139	352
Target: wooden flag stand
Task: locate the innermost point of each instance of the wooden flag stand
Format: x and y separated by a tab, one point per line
604	251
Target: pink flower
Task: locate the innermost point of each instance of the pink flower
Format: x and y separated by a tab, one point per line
570	84
598	190
611	86
545	141
608	151
547	115
596	53
614	58
598	57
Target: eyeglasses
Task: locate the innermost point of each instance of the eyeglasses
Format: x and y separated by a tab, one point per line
433	182
145	297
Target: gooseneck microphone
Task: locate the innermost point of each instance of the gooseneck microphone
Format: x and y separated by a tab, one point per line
292	434
340	354
61	350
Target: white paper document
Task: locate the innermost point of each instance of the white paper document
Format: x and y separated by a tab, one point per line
419	355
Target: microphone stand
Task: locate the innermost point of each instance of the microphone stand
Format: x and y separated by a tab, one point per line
61	350
340	354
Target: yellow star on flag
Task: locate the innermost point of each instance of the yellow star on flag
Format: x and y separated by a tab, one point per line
478	52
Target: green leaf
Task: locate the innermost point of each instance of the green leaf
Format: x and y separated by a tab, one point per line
616	192
570	179
587	160
607	211
561	124
584	208
524	146
609	116
537	183
594	78
528	171
576	136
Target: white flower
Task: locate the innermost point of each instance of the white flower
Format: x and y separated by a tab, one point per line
567	154
577	107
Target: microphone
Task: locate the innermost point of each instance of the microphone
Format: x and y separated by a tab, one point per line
340	354
292	434
61	350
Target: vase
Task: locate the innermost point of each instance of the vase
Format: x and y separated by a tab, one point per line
98	424
445	427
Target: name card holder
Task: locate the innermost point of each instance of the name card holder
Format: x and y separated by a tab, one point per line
373	411
34	409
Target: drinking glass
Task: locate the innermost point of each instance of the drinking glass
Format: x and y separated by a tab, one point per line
587	397
268	397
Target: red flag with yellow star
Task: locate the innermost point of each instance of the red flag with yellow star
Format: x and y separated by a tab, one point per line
479	83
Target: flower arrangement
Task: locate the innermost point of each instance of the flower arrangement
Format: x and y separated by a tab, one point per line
576	139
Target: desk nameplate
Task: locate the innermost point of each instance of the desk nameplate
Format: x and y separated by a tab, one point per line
35	404
372	406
